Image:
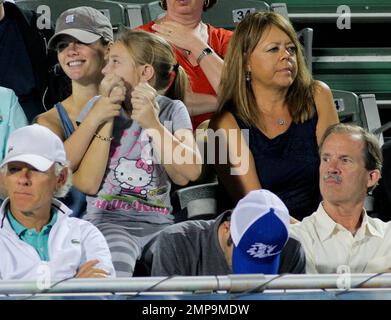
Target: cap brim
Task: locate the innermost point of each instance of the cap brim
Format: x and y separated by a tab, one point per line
242	263
38	162
81	35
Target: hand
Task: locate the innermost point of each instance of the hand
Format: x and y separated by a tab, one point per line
88	270
181	36
106	108
145	108
118	94
109	82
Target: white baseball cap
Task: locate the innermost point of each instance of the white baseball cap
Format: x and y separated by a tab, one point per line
35	145
259	231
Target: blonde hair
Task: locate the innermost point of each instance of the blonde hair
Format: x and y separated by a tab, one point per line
148	48
237	96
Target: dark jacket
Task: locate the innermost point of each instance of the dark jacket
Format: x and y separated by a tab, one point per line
49	86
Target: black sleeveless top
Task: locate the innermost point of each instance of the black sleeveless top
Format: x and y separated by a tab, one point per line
288	165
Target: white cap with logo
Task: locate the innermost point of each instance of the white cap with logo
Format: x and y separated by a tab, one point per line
35	145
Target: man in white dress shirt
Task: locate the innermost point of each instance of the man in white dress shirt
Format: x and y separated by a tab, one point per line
340	236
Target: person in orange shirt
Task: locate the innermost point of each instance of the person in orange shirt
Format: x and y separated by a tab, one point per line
199	49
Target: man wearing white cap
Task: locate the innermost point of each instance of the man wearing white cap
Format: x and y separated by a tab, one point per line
36	234
253	239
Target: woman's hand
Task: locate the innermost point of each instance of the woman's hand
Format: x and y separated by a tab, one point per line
107	107
109	82
189	39
145	108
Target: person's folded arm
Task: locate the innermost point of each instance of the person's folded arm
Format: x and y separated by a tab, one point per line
234	162
200	103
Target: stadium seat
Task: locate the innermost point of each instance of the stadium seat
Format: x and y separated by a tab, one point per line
361	110
53	8
371	117
361	70
199	200
141	12
326	10
227	13
347	104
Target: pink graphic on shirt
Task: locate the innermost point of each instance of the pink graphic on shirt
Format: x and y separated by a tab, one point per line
118	204
134	176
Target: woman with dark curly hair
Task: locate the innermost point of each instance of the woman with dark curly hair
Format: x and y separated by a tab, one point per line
199	48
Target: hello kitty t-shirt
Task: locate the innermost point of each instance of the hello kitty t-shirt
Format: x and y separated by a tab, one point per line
135	185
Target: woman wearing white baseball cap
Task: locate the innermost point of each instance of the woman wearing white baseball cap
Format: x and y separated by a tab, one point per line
82	38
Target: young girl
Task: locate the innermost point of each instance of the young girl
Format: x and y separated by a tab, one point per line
127	170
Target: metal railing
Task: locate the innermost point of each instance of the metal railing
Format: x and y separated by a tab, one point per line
230	283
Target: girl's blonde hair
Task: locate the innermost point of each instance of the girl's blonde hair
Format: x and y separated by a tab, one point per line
148	48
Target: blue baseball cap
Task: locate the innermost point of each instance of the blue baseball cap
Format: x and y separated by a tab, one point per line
259	230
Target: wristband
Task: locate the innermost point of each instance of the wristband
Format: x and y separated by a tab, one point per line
108	139
206	52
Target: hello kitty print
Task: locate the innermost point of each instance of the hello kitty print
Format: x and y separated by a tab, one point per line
134	176
135	182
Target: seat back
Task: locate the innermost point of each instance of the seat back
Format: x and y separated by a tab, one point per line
199	200
347	104
227	13
138	13
370	115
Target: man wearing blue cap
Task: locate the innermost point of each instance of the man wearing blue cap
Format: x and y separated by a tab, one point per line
37	236
251	239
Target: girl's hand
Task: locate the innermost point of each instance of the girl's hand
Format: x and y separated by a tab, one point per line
145	108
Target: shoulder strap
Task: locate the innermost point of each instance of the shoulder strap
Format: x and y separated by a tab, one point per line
66	122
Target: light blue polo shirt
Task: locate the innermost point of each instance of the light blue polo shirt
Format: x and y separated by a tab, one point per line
12	117
39	241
